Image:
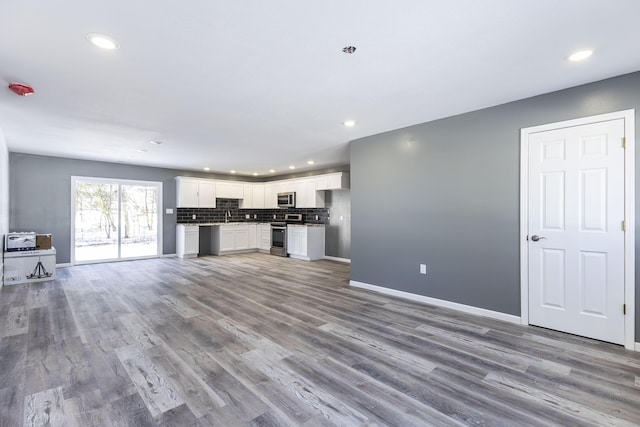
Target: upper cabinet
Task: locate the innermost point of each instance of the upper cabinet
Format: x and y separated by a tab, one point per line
195	193
229	190
333	181
202	193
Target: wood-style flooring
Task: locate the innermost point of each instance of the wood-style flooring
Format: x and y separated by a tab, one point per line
258	340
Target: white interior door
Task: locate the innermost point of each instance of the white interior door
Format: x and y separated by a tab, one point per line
576	241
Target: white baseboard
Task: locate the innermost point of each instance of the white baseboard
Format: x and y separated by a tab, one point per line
334	258
168	256
637	346
438	302
64	265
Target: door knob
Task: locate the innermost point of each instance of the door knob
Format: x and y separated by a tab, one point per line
535	238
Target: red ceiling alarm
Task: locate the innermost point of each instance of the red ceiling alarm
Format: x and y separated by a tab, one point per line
20	89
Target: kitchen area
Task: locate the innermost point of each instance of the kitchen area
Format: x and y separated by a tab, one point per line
284	218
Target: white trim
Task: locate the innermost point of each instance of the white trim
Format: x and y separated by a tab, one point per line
637	347
64	265
168	256
438	302
334	258
629	213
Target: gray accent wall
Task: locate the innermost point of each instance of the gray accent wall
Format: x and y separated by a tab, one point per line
40	195
446	194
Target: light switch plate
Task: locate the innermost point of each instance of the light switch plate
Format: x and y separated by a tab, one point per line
423	268
169	211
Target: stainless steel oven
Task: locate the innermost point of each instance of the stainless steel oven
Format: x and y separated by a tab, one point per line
279	233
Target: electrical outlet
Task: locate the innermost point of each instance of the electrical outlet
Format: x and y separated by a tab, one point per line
255	216
423	268
247	216
316	217
193	216
274	217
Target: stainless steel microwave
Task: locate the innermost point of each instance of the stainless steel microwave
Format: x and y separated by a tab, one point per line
287	200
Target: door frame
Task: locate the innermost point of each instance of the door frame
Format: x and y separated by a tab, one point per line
118	181
629	213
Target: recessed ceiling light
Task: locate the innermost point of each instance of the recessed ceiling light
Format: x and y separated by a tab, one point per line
102	41
142	150
580	55
292	167
310	162
255	174
232	171
207	169
349	123
272	170
155	142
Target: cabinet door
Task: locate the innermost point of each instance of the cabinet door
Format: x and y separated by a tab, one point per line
207	194
247	200
258	196
297	240
192	240
265	238
241	237
187	193
253	236
270	196
227	238
229	190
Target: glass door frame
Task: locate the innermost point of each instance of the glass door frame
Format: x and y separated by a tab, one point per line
119	183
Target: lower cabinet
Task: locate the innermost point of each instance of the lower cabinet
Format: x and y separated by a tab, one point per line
264	237
234	238
187	240
305	242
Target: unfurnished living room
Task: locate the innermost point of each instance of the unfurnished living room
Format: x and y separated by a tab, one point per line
411	213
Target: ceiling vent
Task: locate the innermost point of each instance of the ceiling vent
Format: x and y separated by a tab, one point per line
349	49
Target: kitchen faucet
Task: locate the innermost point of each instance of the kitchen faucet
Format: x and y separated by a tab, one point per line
227	215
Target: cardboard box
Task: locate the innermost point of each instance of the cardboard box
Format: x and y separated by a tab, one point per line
44	241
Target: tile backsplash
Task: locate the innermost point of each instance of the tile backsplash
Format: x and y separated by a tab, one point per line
217	214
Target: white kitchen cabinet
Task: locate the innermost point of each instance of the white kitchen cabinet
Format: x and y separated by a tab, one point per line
264	243
187	240
253	196
253	235
258	196
333	181
306	194
206	193
229	190
195	193
232	238
270	196
247	197
305	242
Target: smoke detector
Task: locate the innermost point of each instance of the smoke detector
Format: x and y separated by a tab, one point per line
21	89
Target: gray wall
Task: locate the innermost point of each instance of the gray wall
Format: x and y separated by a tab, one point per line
446	193
40	195
338	231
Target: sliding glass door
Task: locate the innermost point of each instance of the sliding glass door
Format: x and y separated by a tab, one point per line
115	219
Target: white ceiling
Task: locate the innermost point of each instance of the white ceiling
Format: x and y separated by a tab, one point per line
255	85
